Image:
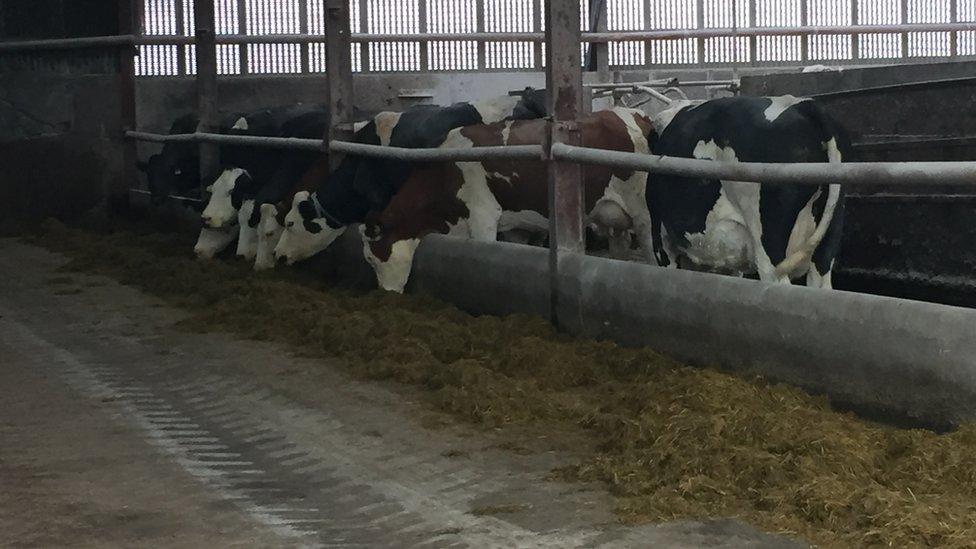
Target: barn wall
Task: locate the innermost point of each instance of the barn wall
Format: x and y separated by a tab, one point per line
59	115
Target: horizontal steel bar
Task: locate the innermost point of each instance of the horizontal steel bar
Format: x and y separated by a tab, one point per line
854	173
171	196
474	154
67	43
618	36
243	140
663	83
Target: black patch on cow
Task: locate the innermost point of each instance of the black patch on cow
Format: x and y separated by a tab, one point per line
244	189
532	105
307	210
360	185
797	135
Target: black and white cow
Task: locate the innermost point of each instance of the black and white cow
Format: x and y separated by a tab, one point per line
176	168
360	185
780	232
246	171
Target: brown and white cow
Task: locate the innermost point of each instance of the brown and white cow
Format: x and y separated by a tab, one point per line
478	200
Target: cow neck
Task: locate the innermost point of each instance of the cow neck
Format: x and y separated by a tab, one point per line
323	213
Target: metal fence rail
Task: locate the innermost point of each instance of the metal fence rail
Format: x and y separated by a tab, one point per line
287	36
853	173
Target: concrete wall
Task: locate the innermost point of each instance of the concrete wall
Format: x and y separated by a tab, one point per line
60	129
895	359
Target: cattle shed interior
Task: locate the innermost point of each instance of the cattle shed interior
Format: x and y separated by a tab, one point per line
90	90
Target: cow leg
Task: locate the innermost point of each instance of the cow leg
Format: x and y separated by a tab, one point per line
269	233
247	242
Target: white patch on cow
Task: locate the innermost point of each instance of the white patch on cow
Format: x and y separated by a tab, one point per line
663	119
627	195
268	233
506	131
525	220
220	210
296	242
247	242
497	175
213	241
392	275
356	126
820	68
484	210
385	122
496	109
731	240
241	124
779	105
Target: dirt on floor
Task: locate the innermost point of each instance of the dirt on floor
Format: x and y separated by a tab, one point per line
668	440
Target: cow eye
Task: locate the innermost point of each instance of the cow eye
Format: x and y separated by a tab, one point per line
290	224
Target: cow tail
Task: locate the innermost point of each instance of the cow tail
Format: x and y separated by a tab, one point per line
838	149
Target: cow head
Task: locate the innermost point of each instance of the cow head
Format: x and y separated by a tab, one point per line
305	233
392	266
227	195
427	203
532	105
169	172
213	241
269	233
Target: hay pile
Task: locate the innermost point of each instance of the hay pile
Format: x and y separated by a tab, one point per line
669	441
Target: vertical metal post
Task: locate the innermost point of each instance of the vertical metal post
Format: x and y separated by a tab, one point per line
479	8
206	84
953	36
700	24
242	28
564	81
422	29
180	49
363	27
536	27
117	192
598	55
805	40
303	29
338	63
648	48
904	35
753	41
855	38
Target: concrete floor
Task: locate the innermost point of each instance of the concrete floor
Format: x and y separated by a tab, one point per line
116	429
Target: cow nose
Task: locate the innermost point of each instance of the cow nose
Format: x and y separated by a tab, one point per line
281	259
206	219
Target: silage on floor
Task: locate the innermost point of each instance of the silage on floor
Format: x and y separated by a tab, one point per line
670	441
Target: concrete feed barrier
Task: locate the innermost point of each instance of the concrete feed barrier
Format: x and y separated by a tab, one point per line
902	359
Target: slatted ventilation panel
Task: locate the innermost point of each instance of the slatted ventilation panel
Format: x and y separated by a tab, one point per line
508	16
161	19
830	13
928	44
879	12
274	17
667	15
724	14
626	15
453	16
393	17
